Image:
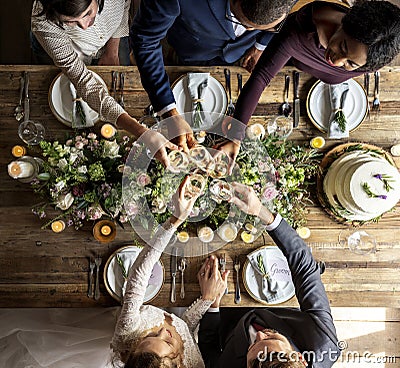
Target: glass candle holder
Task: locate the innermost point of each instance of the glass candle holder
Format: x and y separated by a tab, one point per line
18	151
205	234
108	131
358	241
104	231
58	226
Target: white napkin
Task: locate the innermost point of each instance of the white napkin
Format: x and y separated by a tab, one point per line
76	119
335	94
127	258
197	86
269	286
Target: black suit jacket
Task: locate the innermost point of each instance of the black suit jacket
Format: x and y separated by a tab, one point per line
310	329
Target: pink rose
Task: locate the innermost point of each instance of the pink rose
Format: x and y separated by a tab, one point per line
79	145
143	179
270	192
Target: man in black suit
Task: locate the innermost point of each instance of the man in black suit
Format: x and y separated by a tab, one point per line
263	337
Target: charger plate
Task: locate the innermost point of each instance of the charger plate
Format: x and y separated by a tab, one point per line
113	279
319	105
249	279
61	101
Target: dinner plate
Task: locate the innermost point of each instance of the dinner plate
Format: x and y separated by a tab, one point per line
114	280
61	101
276	264
319	106
215	99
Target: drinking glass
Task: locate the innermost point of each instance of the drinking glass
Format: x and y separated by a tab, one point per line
195	185
220	190
31	132
281	126
201	157
178	160
221	161
358	241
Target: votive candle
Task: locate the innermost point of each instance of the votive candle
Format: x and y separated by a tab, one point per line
108	131
18	151
105	230
317	142
20	169
58	226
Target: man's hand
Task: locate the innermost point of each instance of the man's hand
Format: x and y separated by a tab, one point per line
111	53
179	131
231	149
212	283
250	58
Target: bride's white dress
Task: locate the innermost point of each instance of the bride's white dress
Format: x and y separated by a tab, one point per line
80	338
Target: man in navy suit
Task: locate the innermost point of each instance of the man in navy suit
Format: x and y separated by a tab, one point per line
202	32
266	337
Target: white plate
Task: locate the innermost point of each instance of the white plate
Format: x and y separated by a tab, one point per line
286	287
61	102
319	107
114	280
215	99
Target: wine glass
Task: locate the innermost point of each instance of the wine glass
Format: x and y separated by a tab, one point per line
178	160
221	162
220	190
281	126
358	241
201	157
195	185
31	132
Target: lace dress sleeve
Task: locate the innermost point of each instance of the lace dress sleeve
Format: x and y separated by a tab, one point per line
139	275
195	312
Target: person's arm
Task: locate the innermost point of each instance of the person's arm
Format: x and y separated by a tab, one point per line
111	53
150	26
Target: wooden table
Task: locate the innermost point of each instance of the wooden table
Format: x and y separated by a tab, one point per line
39	268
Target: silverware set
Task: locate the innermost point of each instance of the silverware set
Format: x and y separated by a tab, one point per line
285	108
182	267
94	287
119	97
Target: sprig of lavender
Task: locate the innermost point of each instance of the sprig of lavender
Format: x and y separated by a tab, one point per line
341	120
386	179
121	265
370	194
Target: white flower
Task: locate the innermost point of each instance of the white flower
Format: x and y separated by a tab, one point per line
72	157
62	164
92	136
60	185
65	201
159	206
82	169
111	149
95	212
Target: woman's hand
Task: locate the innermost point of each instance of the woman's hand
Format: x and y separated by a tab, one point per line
246	199
179	131
212	283
231	149
182	204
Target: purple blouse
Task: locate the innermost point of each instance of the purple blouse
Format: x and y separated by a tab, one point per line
298	42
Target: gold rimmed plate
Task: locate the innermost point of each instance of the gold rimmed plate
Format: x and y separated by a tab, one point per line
61	100
276	264
319	105
114	280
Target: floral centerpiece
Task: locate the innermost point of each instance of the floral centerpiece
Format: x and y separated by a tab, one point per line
82	178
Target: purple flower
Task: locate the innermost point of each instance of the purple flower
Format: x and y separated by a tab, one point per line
382	196
78	190
70	223
378	176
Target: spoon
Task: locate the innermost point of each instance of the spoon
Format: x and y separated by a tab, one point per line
19	110
286	109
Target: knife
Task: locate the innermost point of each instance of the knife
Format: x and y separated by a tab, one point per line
296	102
174	269
26	99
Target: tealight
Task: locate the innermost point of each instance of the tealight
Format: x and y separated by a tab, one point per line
317	142
20	169
205	234
106	230
395	150
227	232
183	236
108	131
255	131
247	237
201	136
304	232
58	226
18	151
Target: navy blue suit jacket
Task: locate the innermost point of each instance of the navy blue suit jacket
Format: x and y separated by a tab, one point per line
310	329
198	31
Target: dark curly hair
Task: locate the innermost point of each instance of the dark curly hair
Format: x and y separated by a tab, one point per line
265	11
148	360
376	24
53	9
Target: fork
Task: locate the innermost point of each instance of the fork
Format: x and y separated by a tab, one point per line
376	104
222	263
90	289
231	107
97	262
121	86
236	266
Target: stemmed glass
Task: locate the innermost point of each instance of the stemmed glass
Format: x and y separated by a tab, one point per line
358	241
220	190
281	126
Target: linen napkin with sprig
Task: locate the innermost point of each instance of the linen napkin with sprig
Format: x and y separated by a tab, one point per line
268	287
197	87
123	262
338	127
80	111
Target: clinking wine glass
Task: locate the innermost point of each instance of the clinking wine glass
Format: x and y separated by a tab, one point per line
31	132
195	185
281	126
178	160
220	190
221	162
202	158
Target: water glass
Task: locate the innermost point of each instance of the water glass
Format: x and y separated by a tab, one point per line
358	241
31	132
281	126
221	162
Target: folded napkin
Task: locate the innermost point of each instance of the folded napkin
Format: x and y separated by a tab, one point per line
338	127
197	86
80	111
271	277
